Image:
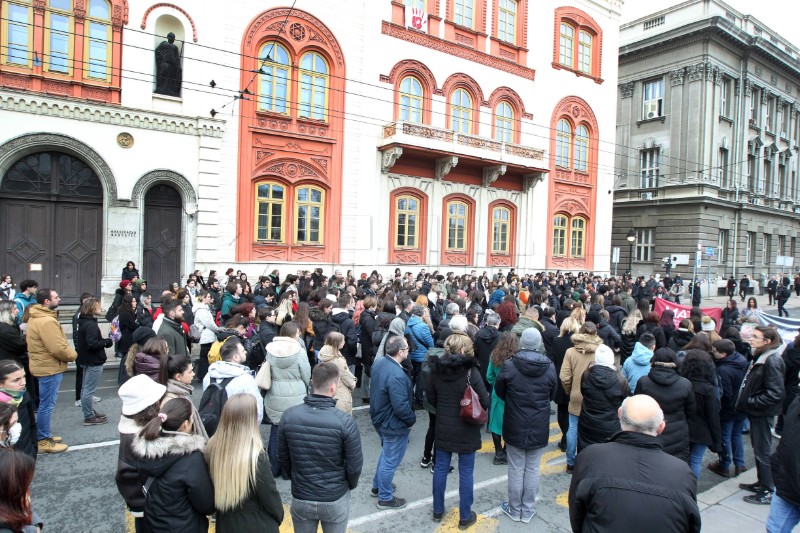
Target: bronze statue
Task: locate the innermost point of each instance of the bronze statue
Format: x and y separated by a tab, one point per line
168	67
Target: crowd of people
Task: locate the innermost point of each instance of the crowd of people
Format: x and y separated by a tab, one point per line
469	351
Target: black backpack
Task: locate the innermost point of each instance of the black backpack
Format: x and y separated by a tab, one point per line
257	355
211	404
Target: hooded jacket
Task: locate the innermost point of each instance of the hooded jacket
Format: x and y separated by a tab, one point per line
422	336
627	302
204	319
603	390
181	494
228	301
637	365
576	361
23	300
485	341
322	324
397	327
48	348
763	388
243	381
89	342
680	338
347	381
675	396
616	314
341	319
608	334
655	330
149	365
290	374
127	476
527	383
730	374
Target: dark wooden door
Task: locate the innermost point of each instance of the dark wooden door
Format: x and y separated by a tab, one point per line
162	239
26	239
77	239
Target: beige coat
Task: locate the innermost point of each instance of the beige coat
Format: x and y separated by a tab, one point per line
576	361
347	381
48	348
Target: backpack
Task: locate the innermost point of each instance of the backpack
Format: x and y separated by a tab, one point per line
257	354
213	352
211	403
115	334
195	331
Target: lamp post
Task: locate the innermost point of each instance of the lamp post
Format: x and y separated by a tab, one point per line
631	239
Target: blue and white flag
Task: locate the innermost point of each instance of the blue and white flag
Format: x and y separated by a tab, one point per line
787	327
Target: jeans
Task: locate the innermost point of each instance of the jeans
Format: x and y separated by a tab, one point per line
416	375
781	308
523	480
48	394
333	515
783	515
572	439
466	468
393	448
732	442
91	377
78	381
761	439
696	453
272	450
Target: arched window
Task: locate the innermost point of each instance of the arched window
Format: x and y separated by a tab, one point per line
581	148
270	209
563	137
273	82
457	213
577	237
411	100
559	236
461	111
17	33
97	44
504	123
407	222
314	86
585	52
581	39
501	220
566	44
58	36
507	21
309	218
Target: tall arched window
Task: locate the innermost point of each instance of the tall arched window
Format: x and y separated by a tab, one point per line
313	86
580	42
585	52
273	82
309	217
407	222
578	228
270	210
461	111
581	148
501	220
98	40
457	213
411	100
507	21
563	137
566	44
17	34
58	36
559	236
504	123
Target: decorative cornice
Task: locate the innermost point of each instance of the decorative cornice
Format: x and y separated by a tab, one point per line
444	165
389	157
626	89
116	116
176	8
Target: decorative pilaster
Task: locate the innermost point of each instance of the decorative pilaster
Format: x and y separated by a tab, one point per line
626	89
676	76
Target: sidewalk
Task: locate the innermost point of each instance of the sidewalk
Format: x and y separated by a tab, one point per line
723	510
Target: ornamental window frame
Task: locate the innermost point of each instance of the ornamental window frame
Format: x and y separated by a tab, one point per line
7	23
309	110
580	52
270	202
95	21
269	68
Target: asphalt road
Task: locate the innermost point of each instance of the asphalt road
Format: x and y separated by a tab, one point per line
75	491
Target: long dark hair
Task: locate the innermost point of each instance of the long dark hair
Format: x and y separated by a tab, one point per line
506	347
126	306
177	411
697	365
16	476
172	364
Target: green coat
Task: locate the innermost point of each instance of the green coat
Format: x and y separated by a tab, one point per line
498	408
262	509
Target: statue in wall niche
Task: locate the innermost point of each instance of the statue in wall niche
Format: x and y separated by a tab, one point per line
168	67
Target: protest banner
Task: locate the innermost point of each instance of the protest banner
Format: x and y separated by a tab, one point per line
682	311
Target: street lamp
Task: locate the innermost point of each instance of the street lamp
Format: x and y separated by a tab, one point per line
631	239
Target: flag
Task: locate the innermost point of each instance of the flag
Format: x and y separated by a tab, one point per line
787	327
682	311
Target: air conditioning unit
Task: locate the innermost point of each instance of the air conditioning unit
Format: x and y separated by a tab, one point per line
647	196
651	109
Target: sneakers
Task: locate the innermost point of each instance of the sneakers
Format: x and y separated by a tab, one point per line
437	517
507	510
51	446
394	503
467	522
724	472
753	487
775	433
500	458
96	420
452	468
374	491
570	468
527	519
760	498
77	403
426	462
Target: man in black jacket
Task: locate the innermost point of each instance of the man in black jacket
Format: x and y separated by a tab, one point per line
630	483
319	447
784	511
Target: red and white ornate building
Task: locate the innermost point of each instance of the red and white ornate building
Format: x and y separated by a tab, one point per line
450	134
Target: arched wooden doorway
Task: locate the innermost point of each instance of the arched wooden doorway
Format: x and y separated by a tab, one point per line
163	210
51	223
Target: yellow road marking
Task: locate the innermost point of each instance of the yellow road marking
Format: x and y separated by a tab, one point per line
563	499
545	468
450	523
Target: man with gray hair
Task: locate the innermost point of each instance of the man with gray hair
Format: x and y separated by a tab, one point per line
630	483
443	330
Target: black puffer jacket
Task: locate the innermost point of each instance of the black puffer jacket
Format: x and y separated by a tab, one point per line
704	424
786	459
675	396
560	347
730	374
367	324
347	328
603	391
12	343
181	495
679	339
28	437
550	333
319	447
616	315
321	322
527	383
763	391
626	344
89	342
485	341
445	389
791	383
655	330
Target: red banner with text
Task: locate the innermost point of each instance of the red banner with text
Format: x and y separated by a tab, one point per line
682	311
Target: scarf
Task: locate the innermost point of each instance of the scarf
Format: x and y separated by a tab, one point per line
181	389
15	397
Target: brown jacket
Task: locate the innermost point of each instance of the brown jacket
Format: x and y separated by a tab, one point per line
48	348
347	381
576	361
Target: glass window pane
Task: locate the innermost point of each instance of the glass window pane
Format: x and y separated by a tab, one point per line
18	13
64	5
302	195
99	9
314	217
59	23
316	195
98	31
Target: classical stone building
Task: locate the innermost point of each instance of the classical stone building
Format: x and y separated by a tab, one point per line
707	142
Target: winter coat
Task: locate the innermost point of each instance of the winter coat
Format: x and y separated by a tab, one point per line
637	365
261	511
786	459
367	325
12	344
127	475
22	300
340	319
630	484
149	365
549	335
172	332
144	316
679	339
730	374
675	396
181	494
176	389
396	328
576	361
203	317
457	341
527	383
243	381
704	424
608	334
347	381
525	322
127	325
498	406
228	301
791	382
763	391
28	437
421	333
616	315
628	303
446	387
729	317
390	398
319	447
627	341
603	391
560	347
485	342
655	330
442	332
322	324
290	374
48	348
89	342
129	274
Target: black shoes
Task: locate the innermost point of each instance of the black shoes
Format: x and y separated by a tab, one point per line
375	490
437	517
467	522
760	498
753	487
570	468
426	462
500	458
394	503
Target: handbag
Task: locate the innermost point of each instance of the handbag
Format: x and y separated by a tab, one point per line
472	411
264	376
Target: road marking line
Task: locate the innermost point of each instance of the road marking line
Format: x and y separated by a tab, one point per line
96	388
93	445
360	407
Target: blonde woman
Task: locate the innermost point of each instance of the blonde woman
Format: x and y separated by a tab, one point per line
245	494
561	344
284	311
628	334
331	352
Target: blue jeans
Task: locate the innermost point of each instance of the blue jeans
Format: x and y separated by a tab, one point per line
696	453
272	450
572	439
783	515
466	467
91	377
732	441
333	515
393	449
48	394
